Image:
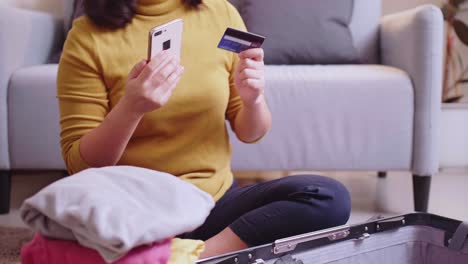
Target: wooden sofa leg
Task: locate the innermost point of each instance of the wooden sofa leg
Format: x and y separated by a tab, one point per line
5	191
421	189
382	174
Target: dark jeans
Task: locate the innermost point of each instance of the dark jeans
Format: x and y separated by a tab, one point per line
261	213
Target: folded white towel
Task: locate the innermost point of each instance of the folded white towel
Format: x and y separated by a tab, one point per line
115	209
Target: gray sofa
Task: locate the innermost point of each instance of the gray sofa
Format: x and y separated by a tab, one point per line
382	116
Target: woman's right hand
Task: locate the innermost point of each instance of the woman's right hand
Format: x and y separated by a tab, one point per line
150	84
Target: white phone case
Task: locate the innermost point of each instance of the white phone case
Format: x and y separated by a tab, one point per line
166	37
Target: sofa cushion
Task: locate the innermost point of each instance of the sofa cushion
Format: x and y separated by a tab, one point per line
75	9
364	25
235	3
364	28
355	117
72	9
67	14
305	32
33	118
334	118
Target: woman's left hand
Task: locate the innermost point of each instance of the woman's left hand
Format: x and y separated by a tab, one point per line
250	76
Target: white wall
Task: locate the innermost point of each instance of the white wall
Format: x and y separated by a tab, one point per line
51	6
392	6
454	140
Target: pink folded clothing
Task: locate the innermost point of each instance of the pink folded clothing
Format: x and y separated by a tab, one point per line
45	251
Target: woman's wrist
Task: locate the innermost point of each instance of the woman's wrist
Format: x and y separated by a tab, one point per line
127	109
258	104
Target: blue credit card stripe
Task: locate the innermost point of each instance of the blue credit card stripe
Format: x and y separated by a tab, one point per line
236	48
233	46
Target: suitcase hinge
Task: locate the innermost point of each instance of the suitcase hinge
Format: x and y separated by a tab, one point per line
289	244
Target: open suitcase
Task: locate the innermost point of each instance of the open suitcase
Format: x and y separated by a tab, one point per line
416	238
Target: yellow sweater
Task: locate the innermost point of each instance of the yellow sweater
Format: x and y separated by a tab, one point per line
188	136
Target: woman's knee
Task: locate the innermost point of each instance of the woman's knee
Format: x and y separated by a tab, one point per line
327	196
299	204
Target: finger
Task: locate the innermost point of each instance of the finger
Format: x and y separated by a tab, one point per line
156	62
256	54
176	74
136	70
163	73
253	83
174	84
251	64
250	74
241	67
165	94
173	78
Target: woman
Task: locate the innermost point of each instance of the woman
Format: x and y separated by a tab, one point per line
169	115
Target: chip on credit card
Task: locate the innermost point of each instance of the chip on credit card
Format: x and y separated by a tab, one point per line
237	41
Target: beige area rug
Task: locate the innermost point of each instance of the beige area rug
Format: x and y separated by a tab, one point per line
11	241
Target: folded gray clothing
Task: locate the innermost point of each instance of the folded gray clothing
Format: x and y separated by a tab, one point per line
115	209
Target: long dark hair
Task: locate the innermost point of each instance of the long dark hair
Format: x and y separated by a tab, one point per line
116	13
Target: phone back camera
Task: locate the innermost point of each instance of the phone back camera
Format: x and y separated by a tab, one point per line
157	33
167	45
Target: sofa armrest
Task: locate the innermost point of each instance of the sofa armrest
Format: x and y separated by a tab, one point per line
413	41
26	38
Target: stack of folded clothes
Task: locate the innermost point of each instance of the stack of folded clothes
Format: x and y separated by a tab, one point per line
117	214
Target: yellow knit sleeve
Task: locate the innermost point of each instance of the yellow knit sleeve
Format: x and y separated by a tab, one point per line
81	92
235	102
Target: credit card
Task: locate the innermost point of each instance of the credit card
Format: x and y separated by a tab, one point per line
237	41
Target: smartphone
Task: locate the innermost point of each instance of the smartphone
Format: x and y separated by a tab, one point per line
166	37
